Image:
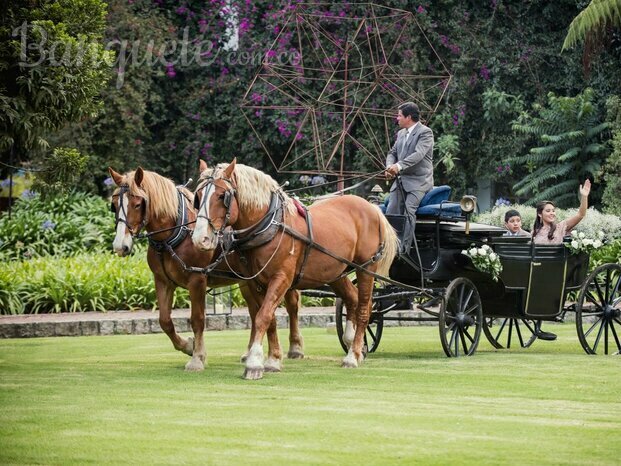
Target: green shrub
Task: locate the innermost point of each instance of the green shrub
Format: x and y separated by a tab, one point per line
85	282
591	224
61	226
609	253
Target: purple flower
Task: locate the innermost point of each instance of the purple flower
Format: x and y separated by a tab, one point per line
108	182
484	72
170	70
48	225
28	194
421	10
5	183
318	179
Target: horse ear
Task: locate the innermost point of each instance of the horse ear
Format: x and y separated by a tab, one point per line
229	170
138	176
202	166
117	177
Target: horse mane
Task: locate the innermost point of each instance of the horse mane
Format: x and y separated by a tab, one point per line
159	192
254	188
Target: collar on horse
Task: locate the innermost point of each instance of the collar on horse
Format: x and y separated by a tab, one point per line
258	234
179	232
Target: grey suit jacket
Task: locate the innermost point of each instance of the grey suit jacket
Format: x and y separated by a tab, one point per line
415	155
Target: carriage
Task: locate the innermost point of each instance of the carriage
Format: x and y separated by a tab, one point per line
538	283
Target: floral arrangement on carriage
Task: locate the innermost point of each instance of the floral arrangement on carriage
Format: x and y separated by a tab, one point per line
484	260
582	243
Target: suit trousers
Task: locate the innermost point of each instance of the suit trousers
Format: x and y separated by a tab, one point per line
397	206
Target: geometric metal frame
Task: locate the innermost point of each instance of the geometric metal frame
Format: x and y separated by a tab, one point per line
335	106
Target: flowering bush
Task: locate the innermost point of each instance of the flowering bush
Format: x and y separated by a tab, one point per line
580	242
485	260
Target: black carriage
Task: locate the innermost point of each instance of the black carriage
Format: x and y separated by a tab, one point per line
538	283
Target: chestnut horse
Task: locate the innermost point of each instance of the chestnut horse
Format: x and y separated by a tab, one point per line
344	232
147	200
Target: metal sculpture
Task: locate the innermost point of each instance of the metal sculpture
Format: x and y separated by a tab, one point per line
336	103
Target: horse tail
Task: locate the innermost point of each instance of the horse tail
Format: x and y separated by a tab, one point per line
391	246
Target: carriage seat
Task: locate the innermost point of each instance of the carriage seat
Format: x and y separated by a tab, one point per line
435	204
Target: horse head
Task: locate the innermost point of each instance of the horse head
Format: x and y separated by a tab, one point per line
130	207
216	204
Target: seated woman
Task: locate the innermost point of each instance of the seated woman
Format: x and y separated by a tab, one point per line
546	230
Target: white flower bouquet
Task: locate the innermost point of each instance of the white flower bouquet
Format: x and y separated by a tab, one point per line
581	242
485	260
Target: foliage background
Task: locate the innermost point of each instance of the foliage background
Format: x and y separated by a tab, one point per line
504	55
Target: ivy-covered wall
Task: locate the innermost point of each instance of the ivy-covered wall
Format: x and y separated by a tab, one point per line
164	114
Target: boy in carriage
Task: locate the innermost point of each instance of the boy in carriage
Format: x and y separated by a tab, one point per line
513	224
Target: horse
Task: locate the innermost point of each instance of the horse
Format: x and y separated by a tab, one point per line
145	199
282	249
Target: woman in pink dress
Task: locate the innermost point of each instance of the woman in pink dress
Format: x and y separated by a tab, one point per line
546	230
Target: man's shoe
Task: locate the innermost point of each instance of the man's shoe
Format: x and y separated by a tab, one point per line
546	336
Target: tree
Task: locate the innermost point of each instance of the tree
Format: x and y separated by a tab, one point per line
612	168
52	69
592	21
570	133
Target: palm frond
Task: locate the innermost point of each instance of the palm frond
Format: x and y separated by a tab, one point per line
594	17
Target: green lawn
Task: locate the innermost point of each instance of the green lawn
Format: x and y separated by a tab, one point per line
127	400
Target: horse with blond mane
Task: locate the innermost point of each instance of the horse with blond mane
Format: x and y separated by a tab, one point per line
147	200
282	247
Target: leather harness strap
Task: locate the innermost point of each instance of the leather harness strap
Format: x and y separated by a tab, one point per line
307	248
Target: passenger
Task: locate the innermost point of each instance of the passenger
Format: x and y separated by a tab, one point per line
546	230
410	158
513	224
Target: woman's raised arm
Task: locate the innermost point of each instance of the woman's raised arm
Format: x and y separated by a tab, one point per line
584	203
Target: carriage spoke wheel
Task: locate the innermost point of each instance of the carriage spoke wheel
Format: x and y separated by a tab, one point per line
461	317
504	332
598	311
372	336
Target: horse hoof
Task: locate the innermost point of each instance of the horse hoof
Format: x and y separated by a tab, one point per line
272	365
295	354
194	365
254	373
349	362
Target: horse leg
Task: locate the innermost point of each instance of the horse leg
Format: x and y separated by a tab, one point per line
296	342
363	311
164	292
275	353
344	288
197	287
265	319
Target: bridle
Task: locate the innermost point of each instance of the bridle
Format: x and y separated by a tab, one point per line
227	199
123	190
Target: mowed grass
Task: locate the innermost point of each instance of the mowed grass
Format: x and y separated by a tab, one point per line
127	400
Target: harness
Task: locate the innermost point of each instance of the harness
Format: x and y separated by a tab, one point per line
266	229
179	232
124	189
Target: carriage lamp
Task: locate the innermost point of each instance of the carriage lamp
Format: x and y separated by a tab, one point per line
376	194
468	204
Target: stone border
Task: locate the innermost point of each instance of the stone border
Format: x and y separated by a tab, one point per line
129	325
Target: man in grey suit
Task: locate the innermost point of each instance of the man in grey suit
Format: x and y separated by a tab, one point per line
411	160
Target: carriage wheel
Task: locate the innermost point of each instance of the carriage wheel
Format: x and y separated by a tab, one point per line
502	332
372	336
461	317
598	311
